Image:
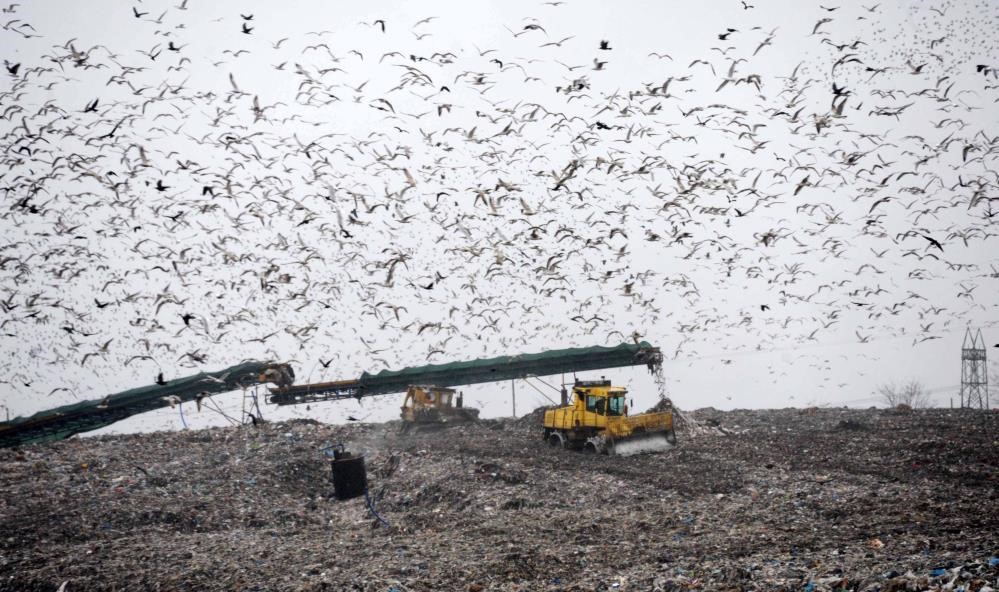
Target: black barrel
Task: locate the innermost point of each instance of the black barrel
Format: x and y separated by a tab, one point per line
350	478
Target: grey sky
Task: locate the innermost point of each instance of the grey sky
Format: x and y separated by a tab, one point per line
691	208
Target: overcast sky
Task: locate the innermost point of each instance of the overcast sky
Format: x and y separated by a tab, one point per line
717	198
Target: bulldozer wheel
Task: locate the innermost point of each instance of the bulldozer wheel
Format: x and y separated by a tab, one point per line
590	448
555	440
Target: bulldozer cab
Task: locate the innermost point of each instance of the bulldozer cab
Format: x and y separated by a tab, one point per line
600	398
609	404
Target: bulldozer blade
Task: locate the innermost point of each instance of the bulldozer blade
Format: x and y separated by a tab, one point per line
641	445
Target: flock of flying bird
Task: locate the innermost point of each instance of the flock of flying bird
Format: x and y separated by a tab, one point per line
167	207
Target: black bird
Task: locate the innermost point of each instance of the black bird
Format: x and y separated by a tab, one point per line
12	68
746	6
91	107
246	17
110	134
325	364
187	318
933	242
101	304
605	45
728	31
72	330
160	186
352	418
380	22
246	30
138	14
159	379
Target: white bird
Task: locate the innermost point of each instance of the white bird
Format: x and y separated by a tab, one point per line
216	380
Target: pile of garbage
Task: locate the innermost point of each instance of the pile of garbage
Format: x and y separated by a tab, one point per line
791	499
686	423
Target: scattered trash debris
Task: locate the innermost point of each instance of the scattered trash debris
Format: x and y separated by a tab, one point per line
783	500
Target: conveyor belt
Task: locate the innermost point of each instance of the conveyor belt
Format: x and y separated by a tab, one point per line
473	372
63	422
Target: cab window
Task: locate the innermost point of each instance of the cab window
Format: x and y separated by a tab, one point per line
616	406
596	404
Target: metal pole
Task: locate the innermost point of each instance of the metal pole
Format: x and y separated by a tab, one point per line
513	397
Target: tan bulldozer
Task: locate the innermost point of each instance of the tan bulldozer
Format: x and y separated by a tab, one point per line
432	407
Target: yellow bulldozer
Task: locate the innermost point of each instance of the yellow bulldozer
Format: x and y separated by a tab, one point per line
596	420
430	407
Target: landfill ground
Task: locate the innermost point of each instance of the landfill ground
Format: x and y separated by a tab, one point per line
790	499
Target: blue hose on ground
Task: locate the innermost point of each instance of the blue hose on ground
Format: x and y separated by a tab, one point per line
371	508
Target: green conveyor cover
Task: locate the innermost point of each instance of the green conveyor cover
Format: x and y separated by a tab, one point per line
547	363
63	422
